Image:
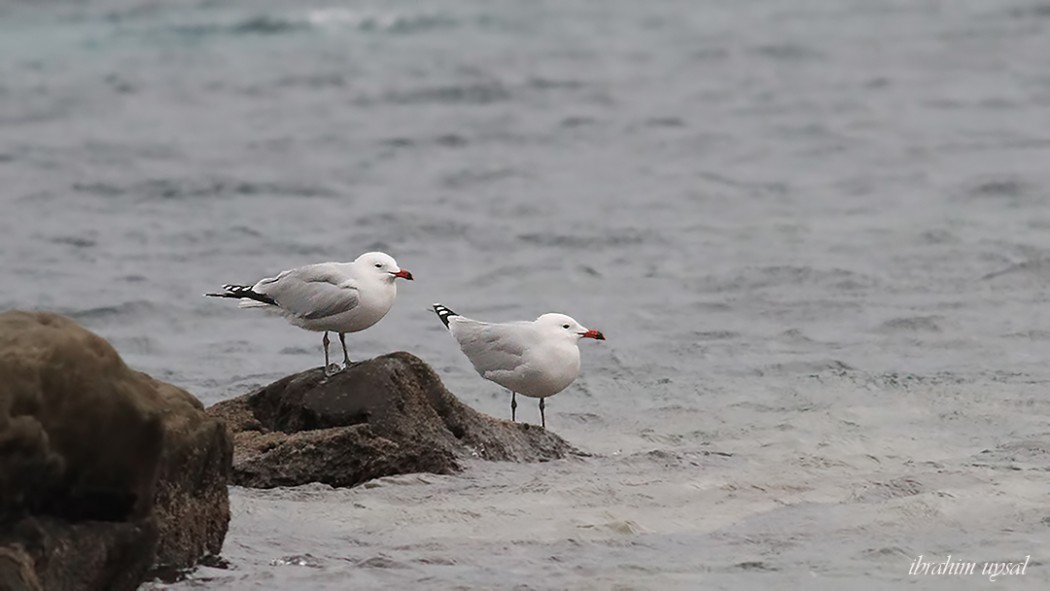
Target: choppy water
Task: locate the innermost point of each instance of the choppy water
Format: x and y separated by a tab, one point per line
816	234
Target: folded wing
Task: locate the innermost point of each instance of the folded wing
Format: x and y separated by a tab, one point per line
312	292
496	350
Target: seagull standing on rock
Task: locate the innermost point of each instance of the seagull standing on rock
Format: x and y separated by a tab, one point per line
537	359
329	297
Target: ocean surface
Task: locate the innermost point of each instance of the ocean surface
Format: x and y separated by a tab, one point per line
816	234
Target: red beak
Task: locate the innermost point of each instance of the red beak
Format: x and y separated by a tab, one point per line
593	334
403	274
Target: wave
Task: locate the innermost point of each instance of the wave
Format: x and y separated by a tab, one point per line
775	276
604	239
1005	190
480	93
123	310
1037	269
912	324
323	19
207	187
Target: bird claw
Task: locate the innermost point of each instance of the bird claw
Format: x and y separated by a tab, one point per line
332	369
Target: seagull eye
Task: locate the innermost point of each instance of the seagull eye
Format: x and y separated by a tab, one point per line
379	265
565	326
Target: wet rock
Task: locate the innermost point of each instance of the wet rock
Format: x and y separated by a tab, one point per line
104	471
385	416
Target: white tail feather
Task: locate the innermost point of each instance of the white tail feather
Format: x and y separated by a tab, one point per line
246	303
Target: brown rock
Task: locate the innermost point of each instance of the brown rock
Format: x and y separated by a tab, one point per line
93	555
17	572
385	416
104	471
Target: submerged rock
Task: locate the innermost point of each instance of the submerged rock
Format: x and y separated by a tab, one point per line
385	416
104	471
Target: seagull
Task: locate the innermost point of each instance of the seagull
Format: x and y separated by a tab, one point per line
537	359
336	297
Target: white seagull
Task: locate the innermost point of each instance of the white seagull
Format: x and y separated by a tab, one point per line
537	359
336	297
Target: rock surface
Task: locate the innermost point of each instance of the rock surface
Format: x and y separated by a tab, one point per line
385	416
104	471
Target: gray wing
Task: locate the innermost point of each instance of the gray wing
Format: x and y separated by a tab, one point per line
495	350
312	292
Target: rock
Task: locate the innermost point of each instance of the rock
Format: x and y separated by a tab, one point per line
16	571
89	555
104	471
385	416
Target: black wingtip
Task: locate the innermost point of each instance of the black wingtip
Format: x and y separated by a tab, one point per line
444	313
242	292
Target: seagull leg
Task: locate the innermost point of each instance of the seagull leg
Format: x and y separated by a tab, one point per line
327	368
513	406
543	419
346	356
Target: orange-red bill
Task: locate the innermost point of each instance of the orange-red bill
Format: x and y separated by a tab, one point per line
404	275
593	334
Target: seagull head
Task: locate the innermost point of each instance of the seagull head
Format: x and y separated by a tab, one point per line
383	264
565	325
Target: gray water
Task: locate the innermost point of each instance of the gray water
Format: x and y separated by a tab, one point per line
815	233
